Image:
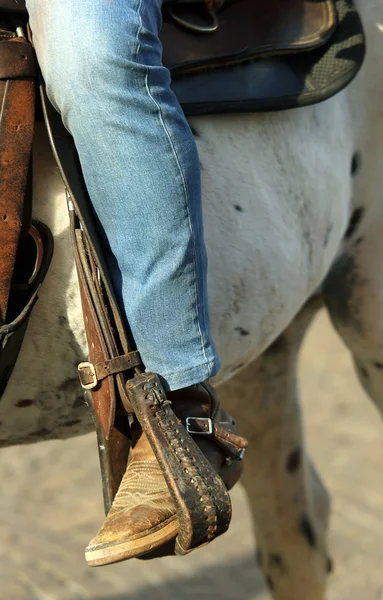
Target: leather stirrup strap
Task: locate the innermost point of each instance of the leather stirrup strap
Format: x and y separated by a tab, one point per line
16	133
199	494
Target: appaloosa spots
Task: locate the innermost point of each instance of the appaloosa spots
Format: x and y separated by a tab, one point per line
294	460
355	220
378	365
327	235
358	241
363	372
356	163
62	320
276	562
306	529
195	132
238	208
24	403
329	566
242	331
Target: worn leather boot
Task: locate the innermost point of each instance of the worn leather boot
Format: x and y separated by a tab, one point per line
143	517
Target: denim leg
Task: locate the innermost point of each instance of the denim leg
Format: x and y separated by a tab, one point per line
101	60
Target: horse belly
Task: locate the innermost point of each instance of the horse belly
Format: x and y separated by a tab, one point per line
277	197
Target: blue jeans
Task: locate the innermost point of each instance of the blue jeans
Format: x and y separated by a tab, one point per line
101	60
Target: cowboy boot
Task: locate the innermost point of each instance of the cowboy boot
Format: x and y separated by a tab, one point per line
143	517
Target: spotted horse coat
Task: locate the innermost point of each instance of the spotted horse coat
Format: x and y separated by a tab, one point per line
293	221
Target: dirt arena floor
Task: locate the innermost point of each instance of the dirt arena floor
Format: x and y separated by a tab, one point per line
50	506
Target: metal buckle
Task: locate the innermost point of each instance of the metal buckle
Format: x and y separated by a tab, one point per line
189	420
90	373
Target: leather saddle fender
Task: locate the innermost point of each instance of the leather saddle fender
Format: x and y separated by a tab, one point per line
25	246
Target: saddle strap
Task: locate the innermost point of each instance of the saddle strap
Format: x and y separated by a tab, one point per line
202	502
17	70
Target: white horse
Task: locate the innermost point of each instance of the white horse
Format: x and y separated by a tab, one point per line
292	205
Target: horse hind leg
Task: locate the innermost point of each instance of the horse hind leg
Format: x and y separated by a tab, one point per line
353	293
289	503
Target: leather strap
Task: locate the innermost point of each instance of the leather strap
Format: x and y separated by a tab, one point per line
16	129
222	433
90	374
16	59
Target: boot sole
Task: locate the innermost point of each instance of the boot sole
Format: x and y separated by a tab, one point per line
124	550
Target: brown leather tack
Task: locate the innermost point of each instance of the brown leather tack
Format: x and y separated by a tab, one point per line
16	60
91	374
104	396
16	129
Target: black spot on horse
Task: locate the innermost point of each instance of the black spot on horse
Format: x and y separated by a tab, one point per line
327	235
329	565
242	331
294	460
378	365
355	219
306	529
238	208
363	372
194	131
24	403
358	240
356	162
73	422
269	582
276	561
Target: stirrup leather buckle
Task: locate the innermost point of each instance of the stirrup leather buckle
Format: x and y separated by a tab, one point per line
191	420
87	375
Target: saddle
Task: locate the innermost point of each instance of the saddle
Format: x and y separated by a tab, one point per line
248	56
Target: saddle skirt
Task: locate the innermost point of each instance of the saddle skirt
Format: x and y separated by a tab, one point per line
255	55
264	56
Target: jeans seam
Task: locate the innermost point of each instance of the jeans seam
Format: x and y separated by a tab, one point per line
174	152
208	363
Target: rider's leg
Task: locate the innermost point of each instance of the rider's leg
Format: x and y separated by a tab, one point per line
102	65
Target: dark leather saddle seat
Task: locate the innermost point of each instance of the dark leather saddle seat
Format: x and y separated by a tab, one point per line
256	55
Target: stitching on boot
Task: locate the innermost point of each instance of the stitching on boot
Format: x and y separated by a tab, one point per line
196	479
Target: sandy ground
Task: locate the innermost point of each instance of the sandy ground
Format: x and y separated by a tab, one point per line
50	506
